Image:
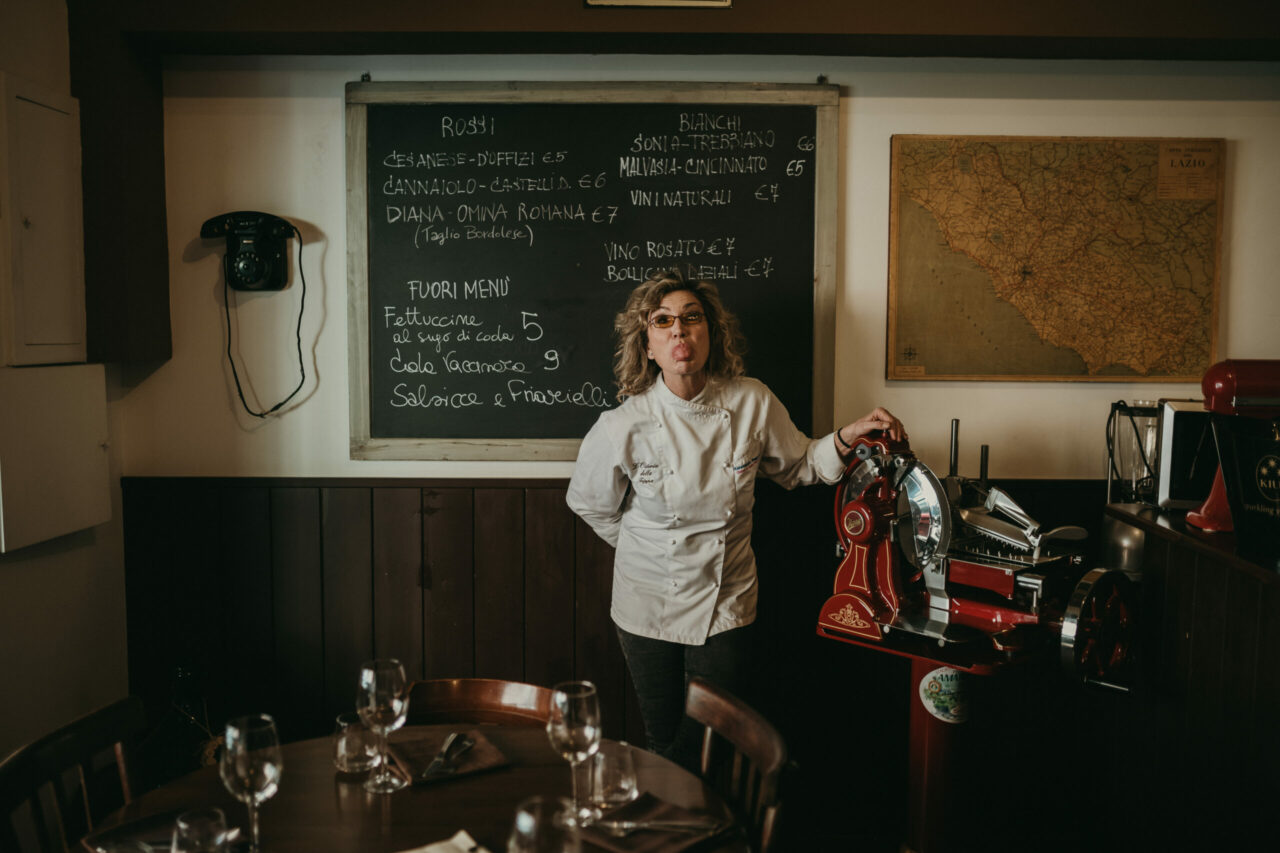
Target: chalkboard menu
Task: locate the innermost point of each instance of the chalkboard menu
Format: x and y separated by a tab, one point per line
495	231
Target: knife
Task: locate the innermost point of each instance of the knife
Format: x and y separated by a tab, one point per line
447	754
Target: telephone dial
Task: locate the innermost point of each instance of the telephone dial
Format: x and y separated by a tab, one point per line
255	258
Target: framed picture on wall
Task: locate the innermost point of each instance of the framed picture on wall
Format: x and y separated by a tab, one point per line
724	4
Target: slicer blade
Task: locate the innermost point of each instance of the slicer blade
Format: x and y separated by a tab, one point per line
1005	532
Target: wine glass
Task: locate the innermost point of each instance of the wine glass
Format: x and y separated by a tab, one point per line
199	831
544	825
382	704
251	765
574	731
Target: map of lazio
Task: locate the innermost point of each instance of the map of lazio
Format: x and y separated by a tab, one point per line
1032	258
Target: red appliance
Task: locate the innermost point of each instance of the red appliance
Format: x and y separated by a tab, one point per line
954	571
1243	398
954	574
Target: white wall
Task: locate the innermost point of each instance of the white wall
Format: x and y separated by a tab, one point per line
267	134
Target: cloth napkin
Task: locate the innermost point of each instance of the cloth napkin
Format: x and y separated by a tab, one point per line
648	807
461	842
414	756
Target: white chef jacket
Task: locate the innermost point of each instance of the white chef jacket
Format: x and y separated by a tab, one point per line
670	484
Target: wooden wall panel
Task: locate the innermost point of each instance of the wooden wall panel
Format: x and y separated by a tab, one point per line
171	553
1240	655
1145	748
171	580
1205	661
511	585
347	537
247	659
599	654
499	561
271	594
1171	704
297	585
397	577
1266	734
448	596
549	596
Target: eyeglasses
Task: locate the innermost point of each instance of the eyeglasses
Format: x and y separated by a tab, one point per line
666	321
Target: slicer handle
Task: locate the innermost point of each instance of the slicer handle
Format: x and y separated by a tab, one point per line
997	499
955	448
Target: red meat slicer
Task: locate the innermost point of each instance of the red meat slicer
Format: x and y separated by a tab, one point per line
955	571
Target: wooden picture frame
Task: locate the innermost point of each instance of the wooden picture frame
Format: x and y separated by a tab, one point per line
369	442
715	4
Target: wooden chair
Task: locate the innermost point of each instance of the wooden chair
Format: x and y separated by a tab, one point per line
53	791
478	700
742	758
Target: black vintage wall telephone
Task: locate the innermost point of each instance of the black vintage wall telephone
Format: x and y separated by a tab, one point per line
255	258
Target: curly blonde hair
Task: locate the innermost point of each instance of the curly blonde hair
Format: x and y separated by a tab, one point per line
634	371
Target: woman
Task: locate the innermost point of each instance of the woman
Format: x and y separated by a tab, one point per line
667	478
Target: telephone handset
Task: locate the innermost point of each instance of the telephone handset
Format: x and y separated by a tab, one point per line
256	260
256	257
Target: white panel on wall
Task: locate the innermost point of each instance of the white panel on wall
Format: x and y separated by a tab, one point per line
42	311
53	452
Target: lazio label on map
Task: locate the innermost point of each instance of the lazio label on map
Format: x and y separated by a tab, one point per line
1074	258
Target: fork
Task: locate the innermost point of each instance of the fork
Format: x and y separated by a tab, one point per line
623	828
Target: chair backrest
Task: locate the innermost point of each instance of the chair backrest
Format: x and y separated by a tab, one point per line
742	757
478	700
53	791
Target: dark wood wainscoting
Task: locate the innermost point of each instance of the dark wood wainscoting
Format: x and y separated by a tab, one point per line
272	592
269	593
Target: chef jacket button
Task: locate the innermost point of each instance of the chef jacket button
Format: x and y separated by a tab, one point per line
725	416
673	541
671	471
728	513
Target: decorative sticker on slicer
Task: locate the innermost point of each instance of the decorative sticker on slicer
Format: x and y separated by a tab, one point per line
848	616
1268	476
942	694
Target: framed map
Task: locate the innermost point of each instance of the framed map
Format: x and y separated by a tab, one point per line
1067	258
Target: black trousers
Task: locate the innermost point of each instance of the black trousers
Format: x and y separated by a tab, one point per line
661	671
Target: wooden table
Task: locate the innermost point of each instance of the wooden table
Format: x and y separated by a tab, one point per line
318	809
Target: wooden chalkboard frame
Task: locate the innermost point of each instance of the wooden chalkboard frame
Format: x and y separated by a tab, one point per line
359	95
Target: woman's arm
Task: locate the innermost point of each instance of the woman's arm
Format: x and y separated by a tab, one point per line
599	484
877	419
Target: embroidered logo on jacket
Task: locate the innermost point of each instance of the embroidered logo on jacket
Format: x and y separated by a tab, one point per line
644	473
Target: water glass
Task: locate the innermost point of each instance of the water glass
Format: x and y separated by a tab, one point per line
199	831
613	776
355	747
544	825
